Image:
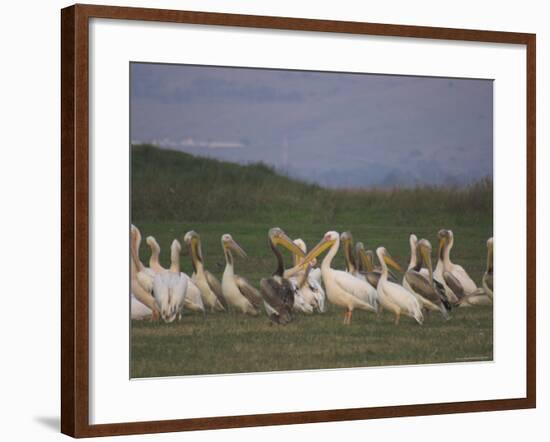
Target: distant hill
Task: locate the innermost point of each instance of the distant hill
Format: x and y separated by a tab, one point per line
176	186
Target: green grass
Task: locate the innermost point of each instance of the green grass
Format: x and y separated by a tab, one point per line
231	343
175	192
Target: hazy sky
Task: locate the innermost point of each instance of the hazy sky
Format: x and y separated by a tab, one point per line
342	130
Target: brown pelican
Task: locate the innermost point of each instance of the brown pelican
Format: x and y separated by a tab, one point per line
395	297
278	290
208	284
237	291
419	280
343	289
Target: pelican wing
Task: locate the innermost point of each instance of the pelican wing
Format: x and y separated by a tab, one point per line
359	288
403	298
178	288
479	297
249	292
318	293
440	289
280	298
145	278
193	298
467	282
142	295
161	290
216	287
454	284
316	274
421	285
138	310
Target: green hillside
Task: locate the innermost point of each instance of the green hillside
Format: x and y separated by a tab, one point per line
175	186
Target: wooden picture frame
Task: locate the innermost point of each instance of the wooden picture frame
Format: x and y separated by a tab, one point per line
75	219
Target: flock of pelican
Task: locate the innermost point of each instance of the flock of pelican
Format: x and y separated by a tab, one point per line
164	293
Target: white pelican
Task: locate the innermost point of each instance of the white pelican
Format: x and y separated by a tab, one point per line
154	262
342	289
454	278
395	297
208	284
193	299
483	295
278	291
309	294
415	262
141	280
138	310
314	280
370	294
419	280
169	287
236	290
487	281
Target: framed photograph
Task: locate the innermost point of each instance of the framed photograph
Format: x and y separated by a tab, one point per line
272	220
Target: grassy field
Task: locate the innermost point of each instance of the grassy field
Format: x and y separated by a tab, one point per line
175	192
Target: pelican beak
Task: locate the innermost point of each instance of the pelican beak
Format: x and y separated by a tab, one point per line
390	261
347	243
316	251
236	248
370	261
283	240
427	258
346	238
323	245
365	260
192	249
441	245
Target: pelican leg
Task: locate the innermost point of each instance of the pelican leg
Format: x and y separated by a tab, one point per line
155	316
347	317
397	317
350	314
